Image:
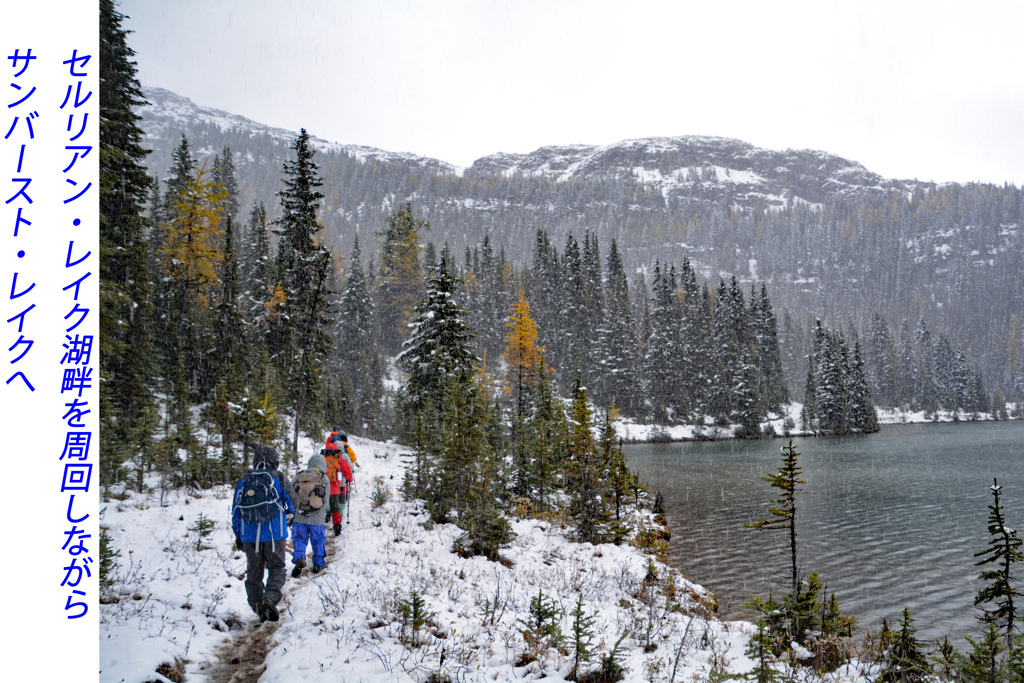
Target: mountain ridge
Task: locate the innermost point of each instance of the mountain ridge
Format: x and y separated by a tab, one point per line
728	167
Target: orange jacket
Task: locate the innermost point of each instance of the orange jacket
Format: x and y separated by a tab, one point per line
335	463
331	445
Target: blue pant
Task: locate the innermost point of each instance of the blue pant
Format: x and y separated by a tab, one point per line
314	533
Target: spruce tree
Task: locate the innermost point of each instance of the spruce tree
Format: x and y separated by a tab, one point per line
863	417
584	484
663	346
189	258
616	344
788	481
302	341
547	434
258	267
361	359
124	348
224	175
582	638
985	663
905	661
1004	551
440	345
881	361
400	284
768	356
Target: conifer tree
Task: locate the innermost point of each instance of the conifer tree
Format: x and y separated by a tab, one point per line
522	359
831	391
224	176
881	361
618	480
576	297
440	345
905	661
616	344
906	373
863	417
1004	551
302	341
663	345
189	257
768	357
124	347
788	481
584	484
361	360
582	638
258	269
400	284
985	663
924	367
547	434
760	650
522	356
229	367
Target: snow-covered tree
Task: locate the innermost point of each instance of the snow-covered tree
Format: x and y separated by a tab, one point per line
440	347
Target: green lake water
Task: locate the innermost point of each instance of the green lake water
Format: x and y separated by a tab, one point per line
888	520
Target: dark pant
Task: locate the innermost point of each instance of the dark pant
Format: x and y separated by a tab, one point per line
267	556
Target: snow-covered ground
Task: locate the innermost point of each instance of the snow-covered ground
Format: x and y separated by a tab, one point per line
179	605
632	431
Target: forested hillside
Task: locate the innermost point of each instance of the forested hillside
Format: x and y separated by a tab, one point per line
827	237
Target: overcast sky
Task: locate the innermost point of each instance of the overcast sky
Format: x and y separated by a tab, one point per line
929	90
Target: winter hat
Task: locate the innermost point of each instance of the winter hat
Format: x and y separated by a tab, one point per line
336	428
266	456
317	462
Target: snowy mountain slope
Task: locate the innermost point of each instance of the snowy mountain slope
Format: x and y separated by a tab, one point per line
184	607
167	113
676	165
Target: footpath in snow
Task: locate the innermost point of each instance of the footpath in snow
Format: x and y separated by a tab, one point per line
176	609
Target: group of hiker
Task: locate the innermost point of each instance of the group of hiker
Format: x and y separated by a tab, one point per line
266	504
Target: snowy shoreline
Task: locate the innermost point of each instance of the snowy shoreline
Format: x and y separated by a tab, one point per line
632	432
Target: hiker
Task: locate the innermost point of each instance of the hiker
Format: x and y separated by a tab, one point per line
338	454
337	440
311	488
259	516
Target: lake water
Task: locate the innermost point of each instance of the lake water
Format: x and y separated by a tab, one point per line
888	521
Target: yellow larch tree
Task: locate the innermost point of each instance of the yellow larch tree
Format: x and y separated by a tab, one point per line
522	356
191	248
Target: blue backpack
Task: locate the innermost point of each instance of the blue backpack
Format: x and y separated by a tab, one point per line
257	499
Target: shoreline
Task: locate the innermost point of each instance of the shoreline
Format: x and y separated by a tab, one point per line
634	433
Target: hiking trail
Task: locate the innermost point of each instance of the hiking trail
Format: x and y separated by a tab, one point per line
242	658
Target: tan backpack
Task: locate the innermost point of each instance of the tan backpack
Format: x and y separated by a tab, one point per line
310	491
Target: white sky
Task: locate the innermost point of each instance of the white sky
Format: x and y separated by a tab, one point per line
929	90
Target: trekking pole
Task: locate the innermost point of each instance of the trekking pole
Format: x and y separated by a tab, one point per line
348	508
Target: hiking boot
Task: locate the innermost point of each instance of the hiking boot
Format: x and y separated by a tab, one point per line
337	530
270	610
298	568
317	568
